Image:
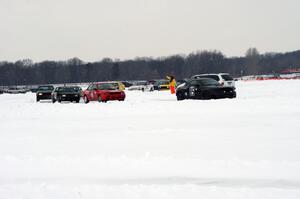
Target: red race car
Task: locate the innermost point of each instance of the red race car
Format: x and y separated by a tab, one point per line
103	92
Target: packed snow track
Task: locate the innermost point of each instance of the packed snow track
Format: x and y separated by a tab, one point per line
152	146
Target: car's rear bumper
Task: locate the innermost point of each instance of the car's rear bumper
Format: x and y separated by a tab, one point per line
115	97
229	84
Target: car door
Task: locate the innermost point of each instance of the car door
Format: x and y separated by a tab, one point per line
88	92
198	90
192	89
195	90
93	92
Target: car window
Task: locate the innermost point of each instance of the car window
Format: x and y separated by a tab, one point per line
156	83
164	82
45	88
94	86
90	87
115	85
68	89
226	77
215	77
209	82
107	86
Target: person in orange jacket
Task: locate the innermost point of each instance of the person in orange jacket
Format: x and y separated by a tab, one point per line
172	83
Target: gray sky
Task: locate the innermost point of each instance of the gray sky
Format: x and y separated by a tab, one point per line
94	29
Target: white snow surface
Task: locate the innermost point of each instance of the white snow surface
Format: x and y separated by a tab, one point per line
152	146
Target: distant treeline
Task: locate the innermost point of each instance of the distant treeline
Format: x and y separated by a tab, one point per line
25	72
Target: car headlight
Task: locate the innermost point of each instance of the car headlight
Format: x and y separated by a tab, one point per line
64	95
40	94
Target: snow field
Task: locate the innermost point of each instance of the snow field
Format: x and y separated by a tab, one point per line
152	146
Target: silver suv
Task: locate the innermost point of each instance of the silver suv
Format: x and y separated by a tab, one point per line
223	78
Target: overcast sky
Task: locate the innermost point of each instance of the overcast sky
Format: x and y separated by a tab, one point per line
94	29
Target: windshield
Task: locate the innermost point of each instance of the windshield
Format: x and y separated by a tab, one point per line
115	84
107	86
226	77
45	88
162	82
69	89
209	82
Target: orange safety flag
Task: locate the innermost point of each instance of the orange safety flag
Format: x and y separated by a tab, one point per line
172	88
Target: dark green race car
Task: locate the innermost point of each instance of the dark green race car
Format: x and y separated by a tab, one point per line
67	93
44	93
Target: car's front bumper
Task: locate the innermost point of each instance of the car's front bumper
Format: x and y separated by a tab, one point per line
43	96
70	98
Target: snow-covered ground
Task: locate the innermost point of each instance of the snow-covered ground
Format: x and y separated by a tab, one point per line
152	146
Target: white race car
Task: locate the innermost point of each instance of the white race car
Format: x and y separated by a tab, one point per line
141	86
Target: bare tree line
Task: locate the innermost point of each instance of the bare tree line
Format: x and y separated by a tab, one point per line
25	72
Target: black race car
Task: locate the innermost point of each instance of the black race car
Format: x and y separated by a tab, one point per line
67	93
44	93
204	88
180	81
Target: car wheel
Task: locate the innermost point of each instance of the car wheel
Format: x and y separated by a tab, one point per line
37	99
53	100
77	101
59	99
180	96
86	99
